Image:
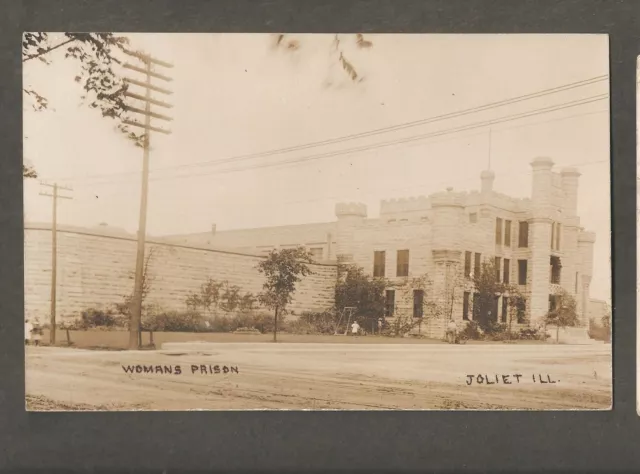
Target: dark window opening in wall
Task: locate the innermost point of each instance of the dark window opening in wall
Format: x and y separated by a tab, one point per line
418	303
476	264
523	234
521	308
505	309
465	305
317	253
558	234
497	265
473	217
507	233
390	303
476	306
378	263
556	267
467	264
505	270
494	309
553	302
402	269
498	231
522	272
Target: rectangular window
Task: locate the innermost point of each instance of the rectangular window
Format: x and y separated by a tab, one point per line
498	231
465	306
553	302
558	233
505	308
473	218
402	269
418	301
467	264
476	305
555	267
379	258
476	265
522	272
523	234
390	303
507	233
317	253
521	310
505	270
497	265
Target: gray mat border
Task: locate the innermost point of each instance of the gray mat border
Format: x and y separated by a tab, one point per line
423	441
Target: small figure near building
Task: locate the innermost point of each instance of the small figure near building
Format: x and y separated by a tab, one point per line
37	333
379	326
355	327
452	332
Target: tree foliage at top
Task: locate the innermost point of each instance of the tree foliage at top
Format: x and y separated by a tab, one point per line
96	53
283	269
356	289
489	287
290	44
565	313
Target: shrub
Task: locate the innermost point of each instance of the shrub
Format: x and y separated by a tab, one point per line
532	334
176	321
98	318
472	331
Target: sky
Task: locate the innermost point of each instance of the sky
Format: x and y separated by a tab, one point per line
237	94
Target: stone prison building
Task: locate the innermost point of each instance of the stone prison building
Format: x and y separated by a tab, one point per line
536	243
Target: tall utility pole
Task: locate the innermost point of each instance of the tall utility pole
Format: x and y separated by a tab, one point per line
148	62
54	252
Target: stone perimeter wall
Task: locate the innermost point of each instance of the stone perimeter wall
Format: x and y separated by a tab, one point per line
95	270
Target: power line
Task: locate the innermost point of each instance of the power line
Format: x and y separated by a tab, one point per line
382	130
410	139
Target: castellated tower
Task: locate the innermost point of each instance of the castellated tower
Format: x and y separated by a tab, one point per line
540	237
446	242
585	250
569	234
350	215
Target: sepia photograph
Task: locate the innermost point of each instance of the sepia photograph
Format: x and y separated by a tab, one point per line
350	221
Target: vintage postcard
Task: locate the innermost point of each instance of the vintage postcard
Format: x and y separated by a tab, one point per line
316	222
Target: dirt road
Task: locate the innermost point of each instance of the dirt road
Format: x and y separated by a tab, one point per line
322	376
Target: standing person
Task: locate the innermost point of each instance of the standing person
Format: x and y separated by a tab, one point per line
379	326
37	333
28	328
452	331
355	327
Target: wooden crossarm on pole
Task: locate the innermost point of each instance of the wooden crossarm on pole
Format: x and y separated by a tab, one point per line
151	101
56	186
147	127
59	196
147	86
150	114
146	58
144	71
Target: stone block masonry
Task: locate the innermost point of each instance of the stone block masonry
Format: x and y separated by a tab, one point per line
95	269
